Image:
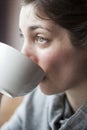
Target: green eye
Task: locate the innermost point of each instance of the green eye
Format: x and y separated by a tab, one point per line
41	40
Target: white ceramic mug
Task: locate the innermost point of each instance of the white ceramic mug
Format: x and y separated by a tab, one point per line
19	75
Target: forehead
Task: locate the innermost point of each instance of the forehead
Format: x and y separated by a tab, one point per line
29	17
26	13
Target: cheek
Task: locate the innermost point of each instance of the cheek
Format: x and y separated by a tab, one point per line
58	61
51	60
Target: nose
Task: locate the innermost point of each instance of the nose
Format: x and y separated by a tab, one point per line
29	52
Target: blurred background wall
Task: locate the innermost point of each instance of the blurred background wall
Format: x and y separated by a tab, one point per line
9	20
2	20
9	34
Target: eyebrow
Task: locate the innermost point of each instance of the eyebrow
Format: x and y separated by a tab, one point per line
34	27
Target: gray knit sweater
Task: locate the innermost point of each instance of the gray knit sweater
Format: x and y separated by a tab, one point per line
41	112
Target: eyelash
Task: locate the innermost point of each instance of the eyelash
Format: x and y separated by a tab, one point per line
37	38
40	40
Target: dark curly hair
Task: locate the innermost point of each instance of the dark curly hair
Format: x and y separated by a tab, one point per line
69	14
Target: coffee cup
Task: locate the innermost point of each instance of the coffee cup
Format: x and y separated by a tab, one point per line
19	75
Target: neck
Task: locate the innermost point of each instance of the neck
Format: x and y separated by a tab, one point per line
77	96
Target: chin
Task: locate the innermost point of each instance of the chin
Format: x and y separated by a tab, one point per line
46	89
49	88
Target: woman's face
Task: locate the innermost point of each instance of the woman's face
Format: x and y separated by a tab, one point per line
48	45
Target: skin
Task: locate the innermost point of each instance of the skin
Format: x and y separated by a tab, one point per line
49	46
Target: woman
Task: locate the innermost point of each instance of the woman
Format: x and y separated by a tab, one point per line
55	37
